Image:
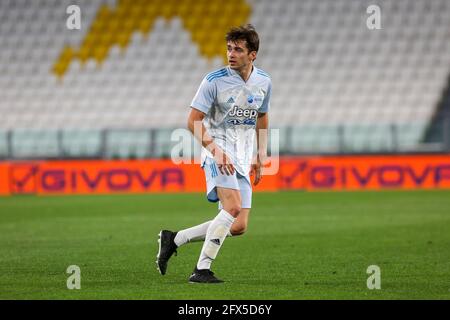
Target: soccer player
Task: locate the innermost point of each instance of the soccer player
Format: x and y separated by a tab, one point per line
230	106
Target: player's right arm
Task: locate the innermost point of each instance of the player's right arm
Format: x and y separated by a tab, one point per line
196	126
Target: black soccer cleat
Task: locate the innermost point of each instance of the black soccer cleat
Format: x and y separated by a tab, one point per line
203	276
167	247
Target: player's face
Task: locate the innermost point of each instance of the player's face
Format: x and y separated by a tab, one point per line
238	55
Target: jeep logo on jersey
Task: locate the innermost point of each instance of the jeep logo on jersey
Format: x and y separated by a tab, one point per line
238	112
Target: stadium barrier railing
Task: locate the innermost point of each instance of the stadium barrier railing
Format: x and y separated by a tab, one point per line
29	144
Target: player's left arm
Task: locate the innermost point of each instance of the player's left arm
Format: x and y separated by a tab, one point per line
262	125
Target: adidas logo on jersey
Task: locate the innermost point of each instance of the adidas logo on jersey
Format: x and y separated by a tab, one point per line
231	100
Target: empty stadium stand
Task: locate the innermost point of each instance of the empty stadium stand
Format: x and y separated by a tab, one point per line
119	85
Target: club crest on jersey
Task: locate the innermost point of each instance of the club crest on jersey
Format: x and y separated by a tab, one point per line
250	99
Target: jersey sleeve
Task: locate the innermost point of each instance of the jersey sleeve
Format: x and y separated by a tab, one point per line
205	96
266	102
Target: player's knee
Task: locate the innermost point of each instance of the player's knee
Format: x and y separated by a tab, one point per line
238	230
234	210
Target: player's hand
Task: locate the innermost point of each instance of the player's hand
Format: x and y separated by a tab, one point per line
257	171
223	162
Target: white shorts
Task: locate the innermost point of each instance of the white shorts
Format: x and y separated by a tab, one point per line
236	181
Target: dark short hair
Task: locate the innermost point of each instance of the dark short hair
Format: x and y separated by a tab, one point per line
247	33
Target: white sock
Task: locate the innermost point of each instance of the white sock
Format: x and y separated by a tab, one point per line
193	234
215	236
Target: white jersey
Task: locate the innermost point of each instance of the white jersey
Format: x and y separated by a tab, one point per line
231	107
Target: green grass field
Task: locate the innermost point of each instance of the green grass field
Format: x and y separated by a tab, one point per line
298	246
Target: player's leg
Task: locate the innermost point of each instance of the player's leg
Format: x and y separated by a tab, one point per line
198	233
169	241
239	226
216	234
220	226
193	234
